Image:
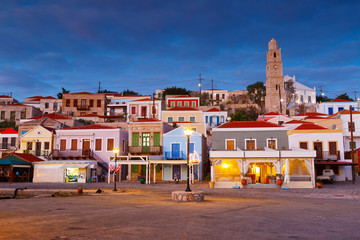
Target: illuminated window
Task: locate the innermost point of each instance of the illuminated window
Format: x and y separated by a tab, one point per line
250	144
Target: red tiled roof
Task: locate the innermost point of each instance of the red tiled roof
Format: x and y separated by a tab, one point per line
142	100
52	116
214	110
309	126
183	109
93	126
272	113
345	111
339	100
249	124
181	96
148	120
5	96
80	93
312	114
90	115
315	117
8	131
27	157
296	122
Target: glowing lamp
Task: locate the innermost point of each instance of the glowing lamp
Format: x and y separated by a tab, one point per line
116	150
224	165
188	131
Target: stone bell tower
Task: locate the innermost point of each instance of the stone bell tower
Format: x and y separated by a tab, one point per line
275	100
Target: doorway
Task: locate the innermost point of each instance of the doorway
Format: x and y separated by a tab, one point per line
86	148
175	151
318	149
176	172
37	148
145	142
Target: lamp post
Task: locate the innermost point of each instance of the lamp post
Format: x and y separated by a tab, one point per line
188	133
116	151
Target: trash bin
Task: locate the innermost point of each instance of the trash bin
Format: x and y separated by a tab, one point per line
142	180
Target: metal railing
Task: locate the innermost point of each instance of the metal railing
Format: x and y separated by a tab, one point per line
83	107
72	153
37	153
175	156
7	146
326	155
145	150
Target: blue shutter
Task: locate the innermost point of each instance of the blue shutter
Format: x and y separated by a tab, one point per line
207	119
218	120
192	147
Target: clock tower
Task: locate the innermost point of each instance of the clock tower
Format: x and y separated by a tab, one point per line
275	100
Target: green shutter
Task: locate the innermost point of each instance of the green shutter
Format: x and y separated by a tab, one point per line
135	139
156	139
135	168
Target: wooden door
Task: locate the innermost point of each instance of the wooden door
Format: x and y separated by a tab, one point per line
86	147
318	149
37	148
146	142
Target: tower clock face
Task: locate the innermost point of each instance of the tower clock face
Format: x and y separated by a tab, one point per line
275	66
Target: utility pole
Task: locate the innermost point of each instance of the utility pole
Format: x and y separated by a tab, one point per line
352	146
99	87
355	95
200	88
280	99
212	92
153	108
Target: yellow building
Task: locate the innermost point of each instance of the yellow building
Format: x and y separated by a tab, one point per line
181	114
38	141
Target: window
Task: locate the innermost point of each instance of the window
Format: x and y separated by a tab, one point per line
135	140
181	119
332	148
110	144
207	119
331	111
55	106
133	110
280	123
62	144
250	144
23	114
91	103
46	105
304	145
301	98
223	96
193	104
98	103
98	143
154	110
186	104
123	145
170	119
75	102
13	141
143	111
217	96
46	145
353	126
67	103
354	145
222	119
179	104
2	114
230	144
74	144
156	139
12	116
83	102
172	104
340	109
29	146
192	119
309	99
274	55
271	143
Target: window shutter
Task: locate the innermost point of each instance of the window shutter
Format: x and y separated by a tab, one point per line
62	144
156	139
110	144
73	144
332	148
98	143
135	139
303	145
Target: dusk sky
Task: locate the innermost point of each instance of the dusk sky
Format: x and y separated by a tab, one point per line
147	45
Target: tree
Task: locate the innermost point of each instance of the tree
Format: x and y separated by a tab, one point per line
205	98
175	91
6	124
60	95
321	98
245	114
106	91
289	92
257	93
344	96
128	92
85	122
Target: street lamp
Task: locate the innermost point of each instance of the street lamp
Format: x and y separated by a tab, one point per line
188	133
116	151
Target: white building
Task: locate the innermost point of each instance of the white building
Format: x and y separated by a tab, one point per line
303	93
336	105
218	96
214	117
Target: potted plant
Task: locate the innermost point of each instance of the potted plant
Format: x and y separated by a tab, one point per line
243	179
279	180
319	184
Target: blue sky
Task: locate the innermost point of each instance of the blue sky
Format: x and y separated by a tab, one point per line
147	45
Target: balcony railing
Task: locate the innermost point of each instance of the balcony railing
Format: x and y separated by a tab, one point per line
83	107
7	146
72	153
175	156
326	155
145	150
37	153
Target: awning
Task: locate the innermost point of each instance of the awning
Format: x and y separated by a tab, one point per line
335	163
21	166
75	165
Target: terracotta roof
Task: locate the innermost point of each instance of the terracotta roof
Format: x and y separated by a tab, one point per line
5	96
345	111
309	126
26	157
296	122
148	120
312	114
80	93
316	117
214	110
52	116
140	100
182	96
249	124
93	126
339	100
272	113
90	115
8	131
182	109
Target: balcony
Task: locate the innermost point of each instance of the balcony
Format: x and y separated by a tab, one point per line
325	155
83	108
145	150
175	156
43	153
7	146
84	153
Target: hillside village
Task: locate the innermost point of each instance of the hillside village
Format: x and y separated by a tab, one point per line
264	136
